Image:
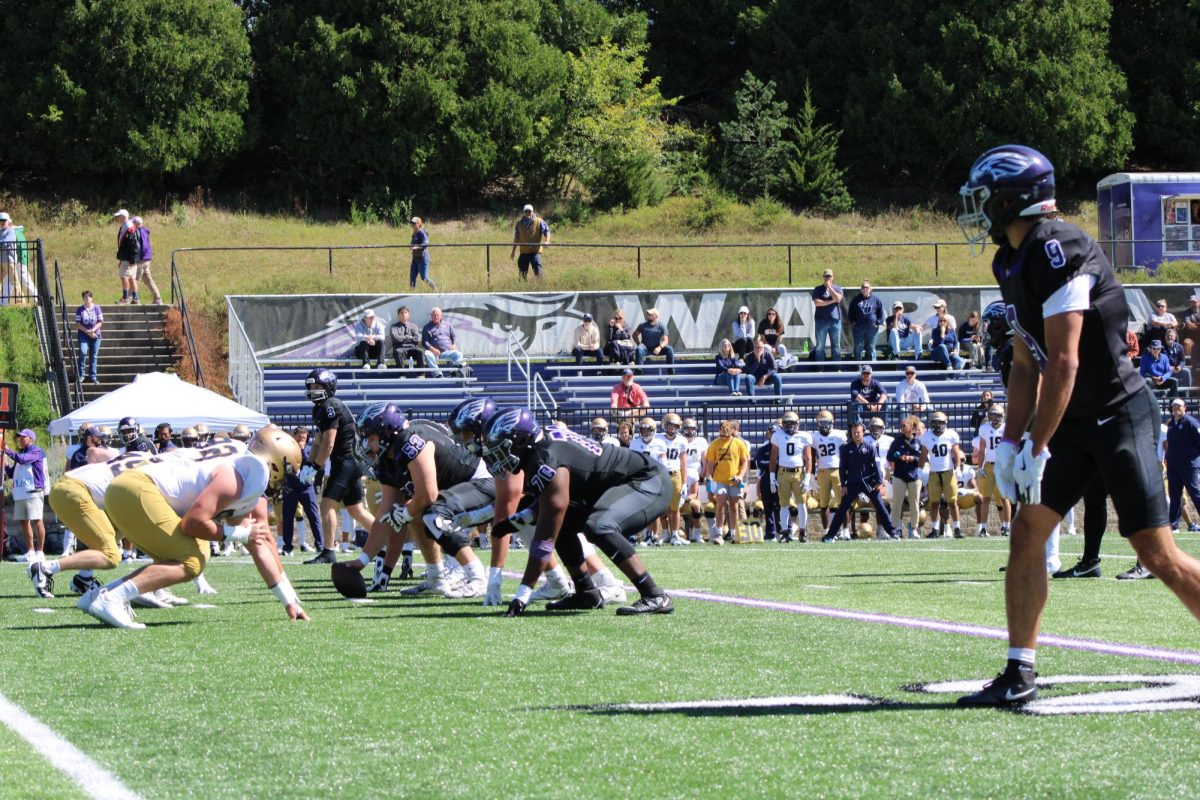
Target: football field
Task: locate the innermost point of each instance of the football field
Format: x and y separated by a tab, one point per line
786	671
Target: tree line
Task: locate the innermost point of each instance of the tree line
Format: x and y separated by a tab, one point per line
368	104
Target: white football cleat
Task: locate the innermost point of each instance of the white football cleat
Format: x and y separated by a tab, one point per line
465	589
84	603
170	598
614	593
113	610
439	585
550	591
148	600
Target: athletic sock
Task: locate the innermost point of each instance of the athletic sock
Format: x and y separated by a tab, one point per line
433	570
126	590
53	567
603	577
557	576
1026	656
473	570
646	586
584	583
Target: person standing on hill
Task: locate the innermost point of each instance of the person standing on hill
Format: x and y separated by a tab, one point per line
420	255
145	256
866	315
827	318
129	251
89	319
531	234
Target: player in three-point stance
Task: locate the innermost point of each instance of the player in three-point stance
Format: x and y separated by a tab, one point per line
1072	391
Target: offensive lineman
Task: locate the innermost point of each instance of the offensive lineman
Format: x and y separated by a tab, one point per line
608	493
791	475
1072	387
334	444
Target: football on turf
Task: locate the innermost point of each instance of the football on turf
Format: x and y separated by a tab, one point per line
348	581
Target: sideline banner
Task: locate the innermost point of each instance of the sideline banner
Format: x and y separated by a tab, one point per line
316	327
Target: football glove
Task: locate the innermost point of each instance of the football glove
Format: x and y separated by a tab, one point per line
1006	454
516	607
1027	473
308	473
397	518
524	524
810	483
493	596
774	483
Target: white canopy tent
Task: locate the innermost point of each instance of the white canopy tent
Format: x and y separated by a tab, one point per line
159	397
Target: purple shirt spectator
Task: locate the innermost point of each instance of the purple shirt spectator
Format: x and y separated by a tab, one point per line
144	235
439	335
27	468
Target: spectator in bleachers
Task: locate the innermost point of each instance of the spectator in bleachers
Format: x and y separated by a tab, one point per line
625	433
1160	322
939	313
760	368
368	340
406	340
620	342
986	401
1173	350
867	395
1156	369
1133	347
911	394
628	396
866	315
943	344
729	369
587	341
970	338
440	343
827	318
652	340
743	332
901	333
771	328
1189	333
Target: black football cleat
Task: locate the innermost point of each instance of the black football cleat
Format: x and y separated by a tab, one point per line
658	604
82	585
406	570
1086	568
42	580
579	601
326	556
1016	686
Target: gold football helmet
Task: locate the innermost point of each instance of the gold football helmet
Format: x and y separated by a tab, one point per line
241	433
283	456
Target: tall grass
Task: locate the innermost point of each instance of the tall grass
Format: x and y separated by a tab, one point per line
21	362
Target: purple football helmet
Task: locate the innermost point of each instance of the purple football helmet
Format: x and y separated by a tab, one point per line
470	416
320	384
384	420
1006	183
507	437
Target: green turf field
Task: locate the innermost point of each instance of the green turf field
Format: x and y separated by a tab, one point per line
422	697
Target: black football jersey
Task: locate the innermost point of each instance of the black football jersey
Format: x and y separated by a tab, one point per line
1052	253
453	462
594	468
332	413
141	445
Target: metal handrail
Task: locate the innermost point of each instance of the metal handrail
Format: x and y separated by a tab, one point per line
245	372
177	299
71	342
551	410
517	351
54	354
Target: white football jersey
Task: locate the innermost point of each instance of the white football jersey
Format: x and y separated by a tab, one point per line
610	440
791	447
990	436
695	449
825	447
881	445
1162	442
965	474
940	448
96	477
669	449
181	478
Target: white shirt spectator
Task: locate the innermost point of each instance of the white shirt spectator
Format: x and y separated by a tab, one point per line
907	394
362	330
940	448
587	336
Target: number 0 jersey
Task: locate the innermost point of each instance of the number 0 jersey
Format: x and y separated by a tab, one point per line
790	448
1053	254
594	469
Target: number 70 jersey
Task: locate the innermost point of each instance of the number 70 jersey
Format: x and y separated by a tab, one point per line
825	447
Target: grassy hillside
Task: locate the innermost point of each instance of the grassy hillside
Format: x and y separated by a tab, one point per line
84	244
21	362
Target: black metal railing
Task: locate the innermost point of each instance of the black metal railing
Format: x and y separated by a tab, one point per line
50	336
179	301
72	342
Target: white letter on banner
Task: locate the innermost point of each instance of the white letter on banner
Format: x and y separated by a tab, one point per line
695	333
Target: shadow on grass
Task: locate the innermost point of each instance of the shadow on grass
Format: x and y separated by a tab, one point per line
85	625
783	708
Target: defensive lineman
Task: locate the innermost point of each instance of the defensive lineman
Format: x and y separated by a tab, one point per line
1072	387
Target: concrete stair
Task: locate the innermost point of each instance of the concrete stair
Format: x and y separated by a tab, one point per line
134	343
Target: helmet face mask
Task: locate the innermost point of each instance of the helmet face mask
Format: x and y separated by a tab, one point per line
321	384
129	429
876	428
1006	183
791	423
380	422
937	423
599	428
507	438
825	422
282	454
467	419
646	429
690	429
671	424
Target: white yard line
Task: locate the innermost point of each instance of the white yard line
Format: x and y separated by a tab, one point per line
90	777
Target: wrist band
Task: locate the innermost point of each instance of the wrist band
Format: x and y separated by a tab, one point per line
1013	442
284	591
523	593
239	535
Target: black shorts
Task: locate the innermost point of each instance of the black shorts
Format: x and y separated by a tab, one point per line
465	497
1120	447
344	482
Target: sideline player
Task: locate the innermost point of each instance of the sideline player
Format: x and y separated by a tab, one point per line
695	449
1072	387
827	444
334	444
991	433
791	468
168	504
600	432
608	493
941	453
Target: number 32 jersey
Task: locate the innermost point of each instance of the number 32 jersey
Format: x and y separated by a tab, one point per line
1037	274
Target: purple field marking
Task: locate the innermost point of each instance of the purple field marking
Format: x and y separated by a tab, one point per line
936	625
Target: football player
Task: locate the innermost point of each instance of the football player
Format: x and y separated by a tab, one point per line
942	455
189	438
600	432
991	433
168	504
695	449
132	437
608	493
672	451
203	435
826	444
647	442
881	441
1072	390
791	475
334	444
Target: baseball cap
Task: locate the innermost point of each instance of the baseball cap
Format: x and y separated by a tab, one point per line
1178	401
4	217
744	310
1155	344
865	368
370	312
626	372
121	213
939	303
136	220
415	220
897	304
827	273
910	370
587	317
527	207
28	432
